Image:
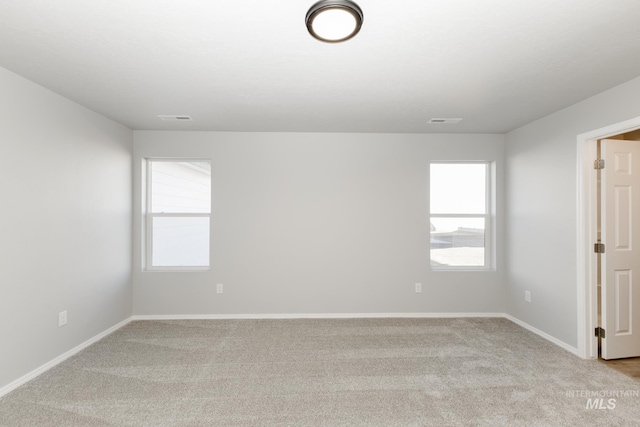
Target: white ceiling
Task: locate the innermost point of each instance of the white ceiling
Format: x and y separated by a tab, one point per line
249	65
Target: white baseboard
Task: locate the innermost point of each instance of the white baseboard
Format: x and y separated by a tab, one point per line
42	369
311	316
544	335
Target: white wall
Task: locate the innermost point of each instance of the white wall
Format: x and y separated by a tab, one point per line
541	191
65	225
308	223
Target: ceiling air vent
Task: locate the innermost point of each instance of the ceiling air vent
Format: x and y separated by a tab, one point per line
447	121
175	118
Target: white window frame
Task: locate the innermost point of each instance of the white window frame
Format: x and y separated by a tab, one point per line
487	216
149	216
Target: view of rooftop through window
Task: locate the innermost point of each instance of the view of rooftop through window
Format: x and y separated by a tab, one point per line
459	215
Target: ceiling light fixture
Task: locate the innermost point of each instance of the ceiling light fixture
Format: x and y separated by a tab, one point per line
334	21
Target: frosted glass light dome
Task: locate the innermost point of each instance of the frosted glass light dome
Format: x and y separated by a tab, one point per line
334	21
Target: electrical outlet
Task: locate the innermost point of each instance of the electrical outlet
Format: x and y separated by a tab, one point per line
527	296
418	288
62	318
219	288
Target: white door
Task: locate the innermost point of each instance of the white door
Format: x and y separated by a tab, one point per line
620	209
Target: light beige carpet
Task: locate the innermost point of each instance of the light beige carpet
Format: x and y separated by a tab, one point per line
356	372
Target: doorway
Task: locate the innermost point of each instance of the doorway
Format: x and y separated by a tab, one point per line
589	234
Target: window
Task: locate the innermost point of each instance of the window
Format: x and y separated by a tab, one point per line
178	214
460	216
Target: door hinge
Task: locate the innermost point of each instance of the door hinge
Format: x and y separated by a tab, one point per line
600	332
598	164
598	248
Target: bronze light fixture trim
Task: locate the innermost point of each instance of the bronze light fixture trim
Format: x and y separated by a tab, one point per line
334	21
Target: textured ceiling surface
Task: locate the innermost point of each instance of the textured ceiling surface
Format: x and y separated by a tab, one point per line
246	65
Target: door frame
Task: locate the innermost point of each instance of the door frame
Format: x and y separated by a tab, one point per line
587	289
